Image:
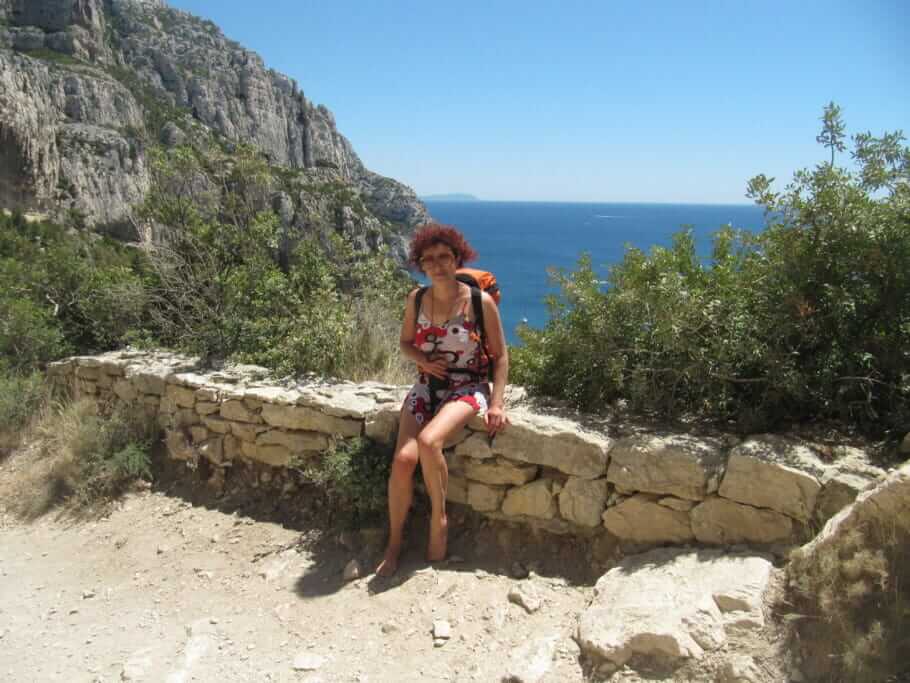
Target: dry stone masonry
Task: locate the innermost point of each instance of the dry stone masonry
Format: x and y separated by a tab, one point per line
546	471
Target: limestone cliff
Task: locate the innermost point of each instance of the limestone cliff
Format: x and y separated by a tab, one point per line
86	86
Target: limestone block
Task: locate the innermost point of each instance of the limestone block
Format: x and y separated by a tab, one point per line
533	500
246	432
382	426
485	498
670	604
278	456
148	383
296	442
183	397
190	380
198	434
497	472
237	410
457	491
677	503
232	447
186	417
641	520
838	490
89	373
167	404
773	472
678	465
457	438
308	419
105	380
217	424
125	390
476	446
177	445
213	450
112	367
340	400
722	521
208	395
206	407
582	501
270	394
554	442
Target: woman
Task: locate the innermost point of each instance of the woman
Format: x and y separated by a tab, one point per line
443	339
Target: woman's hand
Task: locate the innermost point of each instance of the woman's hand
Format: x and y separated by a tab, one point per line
437	367
496	420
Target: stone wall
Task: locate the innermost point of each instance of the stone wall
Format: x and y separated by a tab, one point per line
643	488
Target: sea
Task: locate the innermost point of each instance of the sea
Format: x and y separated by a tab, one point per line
520	241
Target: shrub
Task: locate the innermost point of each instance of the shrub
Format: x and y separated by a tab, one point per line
808	319
853	606
21	397
354	475
96	454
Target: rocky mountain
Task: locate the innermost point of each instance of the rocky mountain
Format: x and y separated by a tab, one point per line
88	87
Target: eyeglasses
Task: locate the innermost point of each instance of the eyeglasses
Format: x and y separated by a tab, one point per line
443	259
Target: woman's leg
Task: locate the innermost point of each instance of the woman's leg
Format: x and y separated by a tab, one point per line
401	489
450	418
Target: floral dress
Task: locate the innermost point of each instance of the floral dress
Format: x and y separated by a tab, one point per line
458	342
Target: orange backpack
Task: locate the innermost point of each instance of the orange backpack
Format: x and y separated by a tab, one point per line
484	280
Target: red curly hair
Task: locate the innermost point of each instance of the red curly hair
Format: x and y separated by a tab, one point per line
435	233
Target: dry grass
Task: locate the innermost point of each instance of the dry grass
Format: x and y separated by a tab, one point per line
70	452
853	598
372	352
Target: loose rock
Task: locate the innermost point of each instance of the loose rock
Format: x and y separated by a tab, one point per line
307	661
525	596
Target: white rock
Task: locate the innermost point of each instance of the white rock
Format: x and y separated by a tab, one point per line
525	595
442	629
741	669
669	603
582	501
678	465
136	667
530	662
352	570
770	471
307	661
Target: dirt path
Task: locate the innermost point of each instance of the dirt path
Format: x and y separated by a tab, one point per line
164	590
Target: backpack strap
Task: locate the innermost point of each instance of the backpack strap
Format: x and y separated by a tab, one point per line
417	299
477	305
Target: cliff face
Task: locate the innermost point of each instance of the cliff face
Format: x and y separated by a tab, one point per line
86	84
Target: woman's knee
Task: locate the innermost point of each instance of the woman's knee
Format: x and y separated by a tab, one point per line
405	460
428	441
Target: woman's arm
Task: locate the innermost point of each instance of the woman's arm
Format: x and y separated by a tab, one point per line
499	353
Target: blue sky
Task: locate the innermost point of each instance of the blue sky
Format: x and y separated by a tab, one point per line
586	101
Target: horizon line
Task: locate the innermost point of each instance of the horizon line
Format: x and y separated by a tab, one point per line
475	200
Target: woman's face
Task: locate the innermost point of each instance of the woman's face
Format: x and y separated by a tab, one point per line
438	261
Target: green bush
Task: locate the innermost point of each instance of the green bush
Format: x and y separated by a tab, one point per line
107	452
63	292
21	397
354	476
232	283
808	319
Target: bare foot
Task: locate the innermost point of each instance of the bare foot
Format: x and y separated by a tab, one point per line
389	564
439	532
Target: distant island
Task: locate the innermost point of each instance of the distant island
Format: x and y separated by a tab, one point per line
454	197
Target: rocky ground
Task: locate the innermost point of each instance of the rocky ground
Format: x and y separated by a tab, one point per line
167	585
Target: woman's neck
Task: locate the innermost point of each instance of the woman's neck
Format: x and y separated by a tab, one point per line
445	291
